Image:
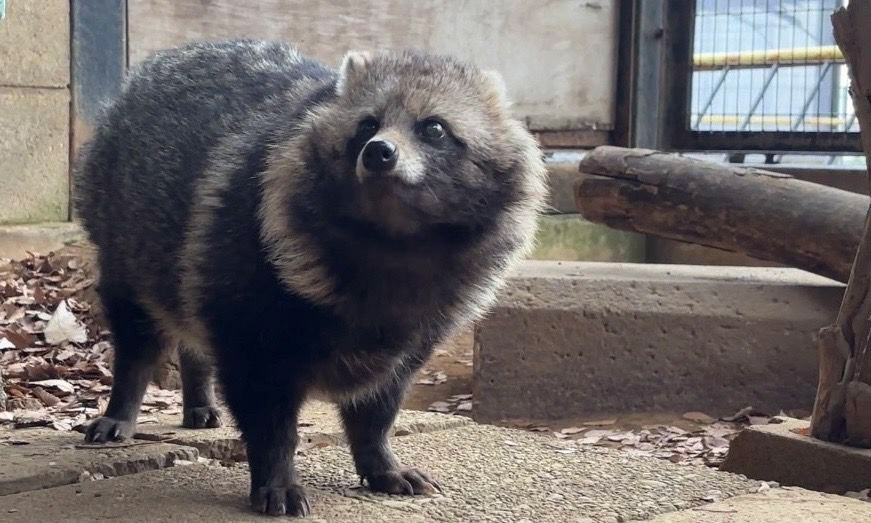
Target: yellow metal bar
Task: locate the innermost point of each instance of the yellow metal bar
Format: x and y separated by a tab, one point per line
771	120
768	57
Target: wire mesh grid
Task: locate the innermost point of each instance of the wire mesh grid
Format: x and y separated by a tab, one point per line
768	65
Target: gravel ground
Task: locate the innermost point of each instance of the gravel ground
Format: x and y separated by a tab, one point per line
494	474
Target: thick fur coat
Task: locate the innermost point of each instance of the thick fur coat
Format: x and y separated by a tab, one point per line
304	230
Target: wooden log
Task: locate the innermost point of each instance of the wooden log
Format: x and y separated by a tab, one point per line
766	215
842	410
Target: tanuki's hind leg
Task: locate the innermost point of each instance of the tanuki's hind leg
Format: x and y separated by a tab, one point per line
137	349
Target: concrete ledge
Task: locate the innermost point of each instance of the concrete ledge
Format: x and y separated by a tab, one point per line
39	459
569	339
782	453
16	240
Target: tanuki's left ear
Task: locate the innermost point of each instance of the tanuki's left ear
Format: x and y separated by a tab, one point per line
495	88
353	68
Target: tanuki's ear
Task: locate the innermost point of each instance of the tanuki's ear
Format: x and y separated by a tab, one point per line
495	88
353	67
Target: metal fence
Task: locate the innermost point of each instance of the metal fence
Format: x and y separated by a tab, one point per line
764	75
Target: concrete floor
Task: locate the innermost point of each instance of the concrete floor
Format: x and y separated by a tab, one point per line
488	474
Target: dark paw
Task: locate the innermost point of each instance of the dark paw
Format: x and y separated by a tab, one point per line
407	481
278	501
201	418
106	429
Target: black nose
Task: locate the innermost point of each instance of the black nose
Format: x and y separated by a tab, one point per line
380	156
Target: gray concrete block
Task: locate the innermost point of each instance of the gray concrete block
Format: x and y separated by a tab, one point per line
784	453
569	339
39	459
34	154
35	44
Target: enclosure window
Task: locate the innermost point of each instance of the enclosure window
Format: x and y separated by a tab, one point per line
766	67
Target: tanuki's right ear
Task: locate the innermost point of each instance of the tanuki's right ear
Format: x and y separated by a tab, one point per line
353	68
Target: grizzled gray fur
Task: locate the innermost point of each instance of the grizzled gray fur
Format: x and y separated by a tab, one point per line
304	232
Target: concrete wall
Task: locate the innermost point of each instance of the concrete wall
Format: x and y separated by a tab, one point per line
34	111
576	339
558	57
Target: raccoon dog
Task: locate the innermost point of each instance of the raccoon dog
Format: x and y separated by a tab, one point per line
307	232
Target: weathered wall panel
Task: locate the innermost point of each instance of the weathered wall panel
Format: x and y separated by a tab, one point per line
557	56
35	43
34	154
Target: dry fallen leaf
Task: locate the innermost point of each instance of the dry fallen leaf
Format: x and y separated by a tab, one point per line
61	385
63	326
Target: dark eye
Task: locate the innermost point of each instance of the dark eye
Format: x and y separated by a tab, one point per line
367	128
433	130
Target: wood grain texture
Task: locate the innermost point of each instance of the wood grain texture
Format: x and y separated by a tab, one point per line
558	57
766	215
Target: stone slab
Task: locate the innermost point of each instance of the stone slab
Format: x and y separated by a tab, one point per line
17	240
783	453
571	339
34	153
190	493
32	459
783	505
35	44
487	474
319	426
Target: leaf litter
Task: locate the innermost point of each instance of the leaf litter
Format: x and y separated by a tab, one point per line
55	354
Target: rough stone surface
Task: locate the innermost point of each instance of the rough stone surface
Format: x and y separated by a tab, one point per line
17	240
786	505
569	339
35	44
33	459
487	474
319	426
34	153
190	493
494	474
783	453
